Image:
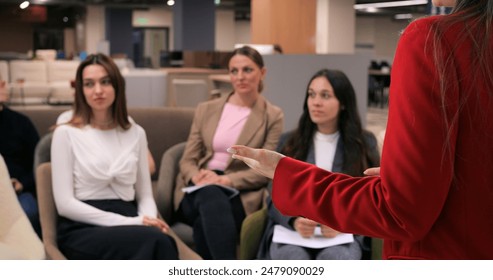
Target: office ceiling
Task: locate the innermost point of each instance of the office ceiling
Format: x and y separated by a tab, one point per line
242	7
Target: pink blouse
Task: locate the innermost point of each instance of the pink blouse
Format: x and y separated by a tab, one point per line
227	133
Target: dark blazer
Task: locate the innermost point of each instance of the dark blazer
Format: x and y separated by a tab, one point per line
262	130
276	218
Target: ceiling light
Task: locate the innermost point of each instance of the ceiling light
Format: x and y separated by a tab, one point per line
391	4
170	2
371	10
24	4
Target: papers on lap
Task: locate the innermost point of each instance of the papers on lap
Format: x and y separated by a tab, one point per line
231	192
317	241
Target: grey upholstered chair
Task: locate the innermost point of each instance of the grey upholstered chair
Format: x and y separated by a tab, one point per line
165	188
47	211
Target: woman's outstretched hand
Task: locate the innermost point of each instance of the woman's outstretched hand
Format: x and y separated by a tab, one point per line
261	160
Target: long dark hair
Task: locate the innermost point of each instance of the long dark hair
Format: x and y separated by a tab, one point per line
82	110
254	55
349	125
475	18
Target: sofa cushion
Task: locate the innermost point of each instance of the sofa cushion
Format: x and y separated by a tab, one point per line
61	70
61	91
4	71
34	75
164	127
29	70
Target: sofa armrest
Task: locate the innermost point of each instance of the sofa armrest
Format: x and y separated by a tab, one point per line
47	211
252	230
167	180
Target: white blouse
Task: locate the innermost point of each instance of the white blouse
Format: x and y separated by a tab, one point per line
92	164
325	149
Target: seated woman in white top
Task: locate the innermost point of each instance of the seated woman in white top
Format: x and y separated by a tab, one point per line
101	181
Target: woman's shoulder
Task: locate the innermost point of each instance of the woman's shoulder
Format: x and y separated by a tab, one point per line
68	131
285	136
421	24
420	28
416	35
135	127
369	138
64	128
212	104
271	108
16	116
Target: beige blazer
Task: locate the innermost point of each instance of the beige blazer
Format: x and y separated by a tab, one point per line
262	130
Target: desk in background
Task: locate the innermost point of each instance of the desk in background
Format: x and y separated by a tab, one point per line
221	84
378	85
193	74
145	87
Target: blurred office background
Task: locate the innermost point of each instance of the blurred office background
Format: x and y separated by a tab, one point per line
148	31
165	35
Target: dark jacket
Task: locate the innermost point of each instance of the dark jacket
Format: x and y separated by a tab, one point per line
18	139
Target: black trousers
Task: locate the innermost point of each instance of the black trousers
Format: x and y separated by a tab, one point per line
83	241
216	220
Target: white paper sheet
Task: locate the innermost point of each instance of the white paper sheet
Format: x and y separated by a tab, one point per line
229	190
286	236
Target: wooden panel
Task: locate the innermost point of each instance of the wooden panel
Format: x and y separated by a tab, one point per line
290	23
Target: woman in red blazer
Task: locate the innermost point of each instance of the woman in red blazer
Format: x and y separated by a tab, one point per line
434	196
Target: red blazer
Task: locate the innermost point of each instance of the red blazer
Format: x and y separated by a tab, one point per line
432	200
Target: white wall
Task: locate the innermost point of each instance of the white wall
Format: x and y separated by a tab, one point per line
225	30
335	26
387	33
243	32
365	31
378	36
322	27
94	27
